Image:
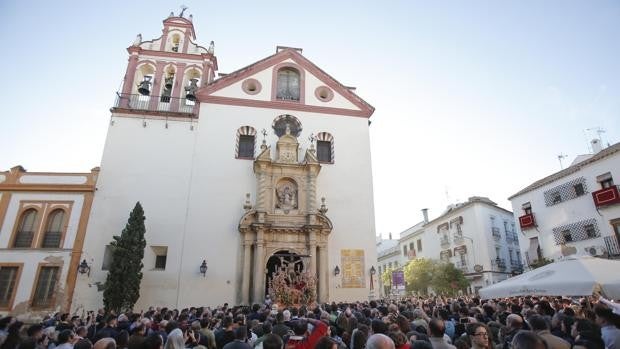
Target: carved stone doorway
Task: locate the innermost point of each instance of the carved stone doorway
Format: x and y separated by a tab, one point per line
287	261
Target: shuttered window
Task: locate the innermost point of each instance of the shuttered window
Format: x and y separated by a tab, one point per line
46	284
8	280
53	231
25	231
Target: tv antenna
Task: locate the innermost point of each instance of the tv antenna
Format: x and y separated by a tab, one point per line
560	158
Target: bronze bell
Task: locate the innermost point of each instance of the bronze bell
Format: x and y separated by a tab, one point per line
144	87
191	90
168	83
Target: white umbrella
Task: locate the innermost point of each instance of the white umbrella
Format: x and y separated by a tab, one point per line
569	277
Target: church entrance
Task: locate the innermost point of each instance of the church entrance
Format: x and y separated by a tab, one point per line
291	263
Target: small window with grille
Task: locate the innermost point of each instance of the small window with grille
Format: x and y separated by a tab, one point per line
590	230
568	237
579	189
324	151
45	287
246	146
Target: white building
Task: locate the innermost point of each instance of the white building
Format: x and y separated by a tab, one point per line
265	167
477	236
43	218
573	211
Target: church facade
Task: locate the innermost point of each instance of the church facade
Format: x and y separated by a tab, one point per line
267	168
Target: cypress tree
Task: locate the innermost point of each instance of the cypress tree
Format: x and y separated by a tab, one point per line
122	286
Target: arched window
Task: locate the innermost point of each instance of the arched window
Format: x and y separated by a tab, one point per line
325	147
279	125
246	138
25	230
288	84
53	230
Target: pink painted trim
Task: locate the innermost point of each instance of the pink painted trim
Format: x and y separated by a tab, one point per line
302	81
189	25
282	105
245	86
244	73
164	38
330	93
186	41
178	81
130	74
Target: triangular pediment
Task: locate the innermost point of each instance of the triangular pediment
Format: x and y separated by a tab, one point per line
255	85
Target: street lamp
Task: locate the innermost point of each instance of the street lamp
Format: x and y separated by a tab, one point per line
372	270
336	271
84	268
203	268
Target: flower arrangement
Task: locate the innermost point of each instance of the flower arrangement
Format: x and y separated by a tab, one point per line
293	289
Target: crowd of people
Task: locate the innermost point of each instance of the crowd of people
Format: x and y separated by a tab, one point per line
411	323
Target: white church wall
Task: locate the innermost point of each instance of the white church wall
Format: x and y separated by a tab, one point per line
152	165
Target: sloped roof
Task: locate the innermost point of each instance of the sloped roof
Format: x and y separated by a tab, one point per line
569	170
288	53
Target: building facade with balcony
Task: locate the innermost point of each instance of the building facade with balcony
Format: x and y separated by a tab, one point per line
43	220
575	211
477	236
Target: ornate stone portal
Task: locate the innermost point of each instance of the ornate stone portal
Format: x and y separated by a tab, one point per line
285	218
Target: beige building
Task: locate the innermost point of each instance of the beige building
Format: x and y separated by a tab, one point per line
43	218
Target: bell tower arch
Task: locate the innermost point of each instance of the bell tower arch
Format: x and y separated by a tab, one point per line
163	74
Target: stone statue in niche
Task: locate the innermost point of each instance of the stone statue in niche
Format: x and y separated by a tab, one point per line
287	196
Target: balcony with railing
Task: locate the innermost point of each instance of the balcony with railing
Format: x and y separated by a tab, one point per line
458	238
496	233
163	105
516	266
527	221
500	263
606	196
462	266
611	243
444	241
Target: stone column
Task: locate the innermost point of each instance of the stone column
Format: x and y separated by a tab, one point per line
155	91
129	80
177	89
312	251
323	287
259	268
247	265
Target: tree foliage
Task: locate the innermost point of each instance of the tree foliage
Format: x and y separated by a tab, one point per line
447	279
122	286
443	278
419	274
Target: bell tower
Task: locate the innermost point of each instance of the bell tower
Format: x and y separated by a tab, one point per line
163	74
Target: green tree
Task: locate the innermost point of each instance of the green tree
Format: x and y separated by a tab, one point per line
386	280
122	286
419	274
447	279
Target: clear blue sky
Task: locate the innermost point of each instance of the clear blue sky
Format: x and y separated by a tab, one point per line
471	97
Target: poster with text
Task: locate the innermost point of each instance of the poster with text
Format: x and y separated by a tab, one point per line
352	268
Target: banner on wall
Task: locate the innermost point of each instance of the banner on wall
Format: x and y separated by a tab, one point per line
352	262
398	280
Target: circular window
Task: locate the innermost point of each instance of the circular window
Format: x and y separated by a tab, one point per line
251	86
324	93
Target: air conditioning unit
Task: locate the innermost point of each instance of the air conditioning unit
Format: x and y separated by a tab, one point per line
595	250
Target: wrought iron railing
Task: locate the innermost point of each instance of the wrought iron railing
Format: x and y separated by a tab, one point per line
462	266
501	263
613	248
444	241
496	233
156	103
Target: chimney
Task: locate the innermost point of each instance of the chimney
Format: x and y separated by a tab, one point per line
425	214
596	145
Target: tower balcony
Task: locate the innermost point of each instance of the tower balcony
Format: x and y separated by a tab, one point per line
496	234
155	105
